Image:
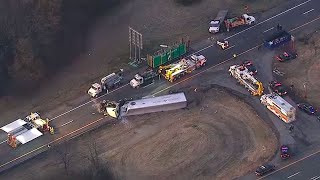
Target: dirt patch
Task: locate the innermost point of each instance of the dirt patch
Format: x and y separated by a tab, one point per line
303	73
218	136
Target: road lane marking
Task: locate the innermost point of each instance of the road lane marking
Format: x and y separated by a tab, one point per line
293	175
73	109
268	19
46	145
267	175
231	47
3	141
66	123
315	178
268	30
308	11
304	24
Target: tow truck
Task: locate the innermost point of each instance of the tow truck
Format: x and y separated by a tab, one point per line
244	77
144	79
174	71
107	83
245	19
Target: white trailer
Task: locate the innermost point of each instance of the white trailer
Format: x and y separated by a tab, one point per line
242	74
154	104
279	107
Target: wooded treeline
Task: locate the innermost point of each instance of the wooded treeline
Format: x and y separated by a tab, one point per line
39	36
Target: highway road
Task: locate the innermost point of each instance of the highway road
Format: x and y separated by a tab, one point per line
306	168
81	116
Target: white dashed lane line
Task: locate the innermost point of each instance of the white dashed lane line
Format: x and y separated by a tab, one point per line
268	30
293	175
66	123
315	178
308	11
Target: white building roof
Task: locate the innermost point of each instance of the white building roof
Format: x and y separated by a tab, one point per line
29	136
157	101
14	125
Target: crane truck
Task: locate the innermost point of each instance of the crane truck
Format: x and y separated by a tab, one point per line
176	70
215	25
25	130
107	83
143	106
245	19
144	79
280	107
242	74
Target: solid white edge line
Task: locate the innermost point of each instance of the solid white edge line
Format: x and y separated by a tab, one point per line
187	56
308	11
293	175
268	19
3	141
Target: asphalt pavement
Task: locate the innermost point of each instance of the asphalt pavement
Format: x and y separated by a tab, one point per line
82	116
307	168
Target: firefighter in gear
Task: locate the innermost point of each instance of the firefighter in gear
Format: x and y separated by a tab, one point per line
51	129
224	45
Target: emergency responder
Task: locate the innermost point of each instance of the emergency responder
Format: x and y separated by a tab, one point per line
279	27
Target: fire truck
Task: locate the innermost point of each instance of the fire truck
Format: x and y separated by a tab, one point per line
279	107
25	130
176	70
244	77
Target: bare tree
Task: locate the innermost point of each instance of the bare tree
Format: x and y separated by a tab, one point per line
98	169
65	156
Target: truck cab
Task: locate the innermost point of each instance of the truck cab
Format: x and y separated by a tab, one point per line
136	81
95	90
214	26
249	19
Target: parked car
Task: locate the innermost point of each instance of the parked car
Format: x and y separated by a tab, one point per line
278	88
264	169
251	68
307	108
286	56
284	152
